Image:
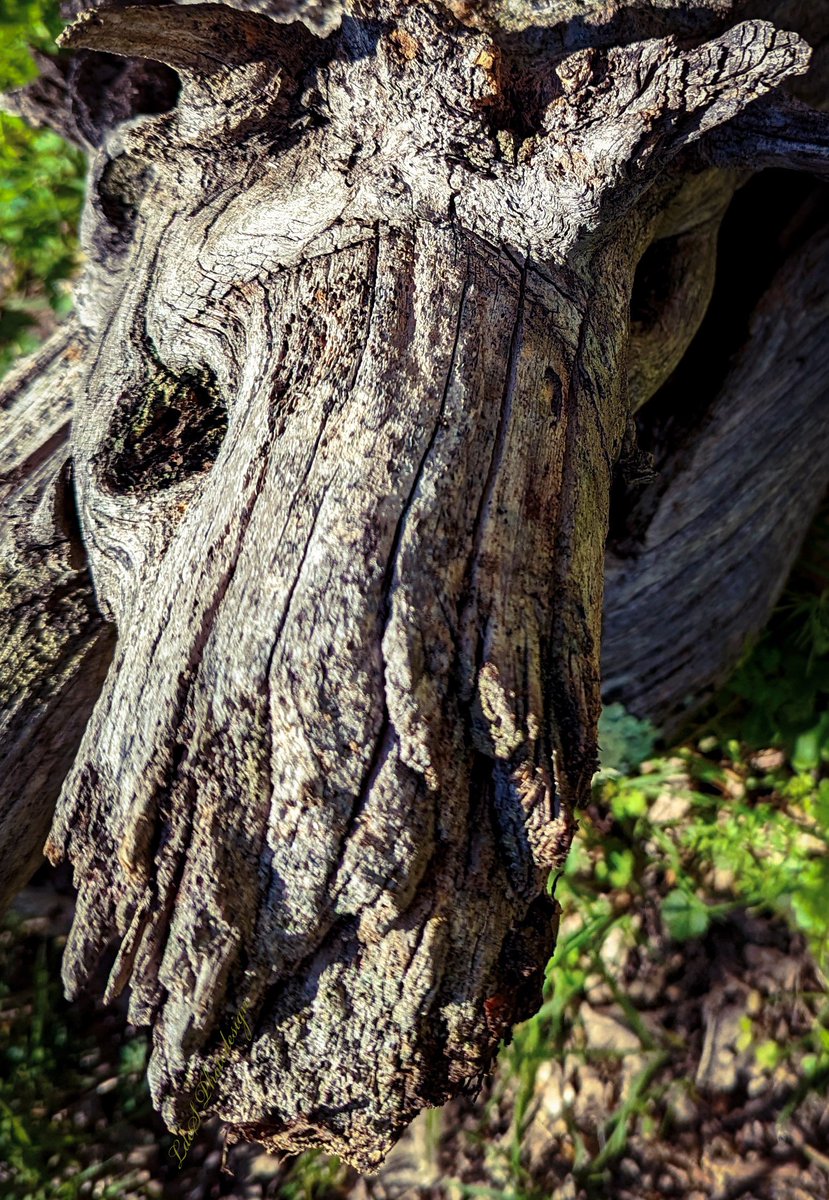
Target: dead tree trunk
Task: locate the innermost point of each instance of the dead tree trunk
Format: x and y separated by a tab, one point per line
56	647
356	387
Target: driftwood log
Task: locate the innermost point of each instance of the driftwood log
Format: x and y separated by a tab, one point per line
377	299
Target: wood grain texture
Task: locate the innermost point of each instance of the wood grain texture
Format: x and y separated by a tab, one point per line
360	758
54	647
358	315
86	95
675	280
732	511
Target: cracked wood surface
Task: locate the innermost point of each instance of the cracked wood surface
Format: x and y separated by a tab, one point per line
343	458
732	510
54	646
361	758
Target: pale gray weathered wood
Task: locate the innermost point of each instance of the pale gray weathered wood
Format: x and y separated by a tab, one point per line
357	309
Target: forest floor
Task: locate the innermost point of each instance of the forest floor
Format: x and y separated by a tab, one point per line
669	1059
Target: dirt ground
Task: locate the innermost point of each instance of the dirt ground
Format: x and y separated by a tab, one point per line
660	1091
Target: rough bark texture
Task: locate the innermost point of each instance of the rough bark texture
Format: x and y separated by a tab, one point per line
729	511
54	646
358	309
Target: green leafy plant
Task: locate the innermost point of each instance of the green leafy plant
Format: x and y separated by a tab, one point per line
736	818
31	1082
624	740
313	1176
41	192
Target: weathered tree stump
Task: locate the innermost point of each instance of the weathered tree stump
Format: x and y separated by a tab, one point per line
355	326
56	647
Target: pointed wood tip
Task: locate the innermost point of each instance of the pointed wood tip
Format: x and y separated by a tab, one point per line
53	851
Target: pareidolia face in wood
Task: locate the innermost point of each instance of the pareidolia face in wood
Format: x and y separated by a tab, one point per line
343	460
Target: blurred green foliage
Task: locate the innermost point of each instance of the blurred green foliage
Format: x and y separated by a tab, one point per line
746	840
760	819
779	695
41	192
45	1147
735	818
624	740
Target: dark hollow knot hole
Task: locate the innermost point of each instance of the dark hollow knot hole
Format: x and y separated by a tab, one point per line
170	432
120	189
654	282
68	517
